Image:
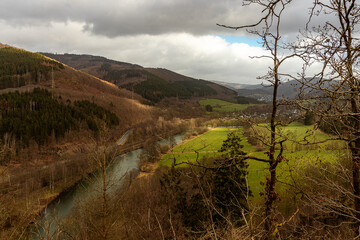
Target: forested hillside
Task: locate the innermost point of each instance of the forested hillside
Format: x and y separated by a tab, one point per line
37	116
153	84
43	99
19	67
155	88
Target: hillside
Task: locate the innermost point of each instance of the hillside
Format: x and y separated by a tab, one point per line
21	70
288	89
73	101
153	84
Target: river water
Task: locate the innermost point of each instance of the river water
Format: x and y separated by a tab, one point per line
62	206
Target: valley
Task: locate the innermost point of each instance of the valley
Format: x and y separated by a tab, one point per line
180	120
83	136
52	120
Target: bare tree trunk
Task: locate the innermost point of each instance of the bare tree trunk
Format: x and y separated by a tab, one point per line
270	183
355	142
268	28
334	46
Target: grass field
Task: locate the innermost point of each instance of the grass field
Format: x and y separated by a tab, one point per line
207	145
223	106
302	137
297	156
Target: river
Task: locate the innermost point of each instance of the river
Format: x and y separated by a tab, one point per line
62	206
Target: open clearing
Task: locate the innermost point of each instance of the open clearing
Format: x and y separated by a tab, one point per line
297	155
223	106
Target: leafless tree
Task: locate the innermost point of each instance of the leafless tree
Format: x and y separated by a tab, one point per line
92	213
335	89
268	28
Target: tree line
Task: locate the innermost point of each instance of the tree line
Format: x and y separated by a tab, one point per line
19	67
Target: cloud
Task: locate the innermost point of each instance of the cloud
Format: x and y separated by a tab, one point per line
180	35
205	57
114	18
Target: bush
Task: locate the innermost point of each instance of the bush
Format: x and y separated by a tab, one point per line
150	152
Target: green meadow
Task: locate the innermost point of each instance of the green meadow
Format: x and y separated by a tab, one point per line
224	106
297	153
300	137
205	145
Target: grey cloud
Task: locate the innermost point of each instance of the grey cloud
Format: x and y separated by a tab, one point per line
114	18
205	57
145	32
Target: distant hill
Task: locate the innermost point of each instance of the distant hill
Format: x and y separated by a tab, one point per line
261	92
234	86
153	84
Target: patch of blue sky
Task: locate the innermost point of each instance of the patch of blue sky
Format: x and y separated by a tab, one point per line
254	42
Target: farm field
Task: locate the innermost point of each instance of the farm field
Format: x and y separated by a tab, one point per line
224	106
206	144
301	137
297	155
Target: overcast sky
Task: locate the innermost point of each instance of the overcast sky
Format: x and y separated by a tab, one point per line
180	35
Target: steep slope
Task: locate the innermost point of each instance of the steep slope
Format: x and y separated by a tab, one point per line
19	67
153	84
50	112
21	70
94	65
48	108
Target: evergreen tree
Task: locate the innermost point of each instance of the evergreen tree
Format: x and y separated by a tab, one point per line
230	189
213	193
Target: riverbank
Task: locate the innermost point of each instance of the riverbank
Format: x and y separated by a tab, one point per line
148	169
26	190
120	173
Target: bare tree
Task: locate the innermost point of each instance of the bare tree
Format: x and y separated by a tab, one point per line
268	28
92	213
335	89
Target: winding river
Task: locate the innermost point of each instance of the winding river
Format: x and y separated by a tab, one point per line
62	206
